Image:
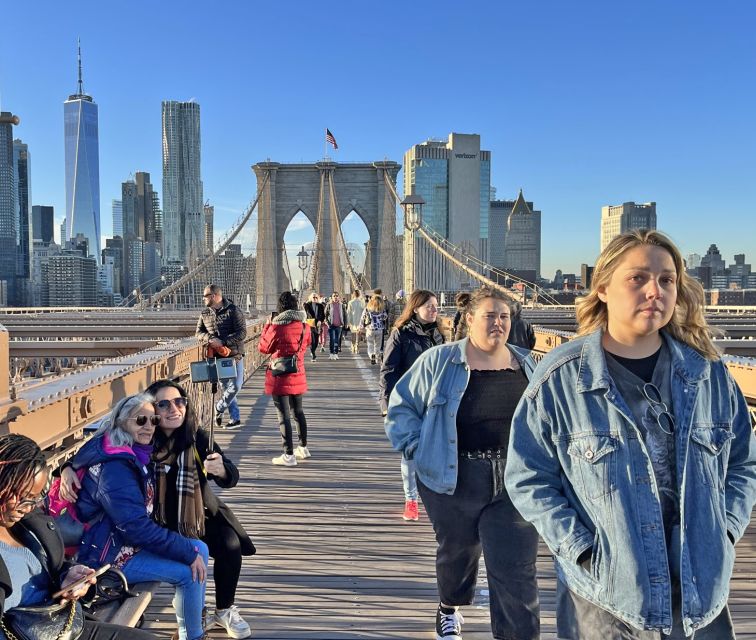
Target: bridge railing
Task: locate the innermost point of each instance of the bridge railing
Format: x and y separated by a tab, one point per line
57	413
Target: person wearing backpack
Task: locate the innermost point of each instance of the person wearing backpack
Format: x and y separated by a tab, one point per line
286	335
374	320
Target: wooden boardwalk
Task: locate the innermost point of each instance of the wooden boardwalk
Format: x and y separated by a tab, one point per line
335	560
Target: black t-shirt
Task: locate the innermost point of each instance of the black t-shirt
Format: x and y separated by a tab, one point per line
484	418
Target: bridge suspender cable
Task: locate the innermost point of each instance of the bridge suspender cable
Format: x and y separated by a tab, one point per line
223	245
342	243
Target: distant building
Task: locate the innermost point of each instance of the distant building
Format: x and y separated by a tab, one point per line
43	223
514	229
8	208
693	261
209	221
141	233
117	206
113	254
41	251
70	279
82	153
586	275
454	179
714	260
617	219
22	175
183	214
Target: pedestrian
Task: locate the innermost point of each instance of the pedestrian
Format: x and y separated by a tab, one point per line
459	325
633	455
522	333
336	317
355	308
451	414
286	335
323	338
315	316
222	328
374	322
414	332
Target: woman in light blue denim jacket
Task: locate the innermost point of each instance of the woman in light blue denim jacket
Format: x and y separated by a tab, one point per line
633	455
451	414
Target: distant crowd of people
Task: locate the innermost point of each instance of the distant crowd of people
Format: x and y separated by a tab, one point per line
629	451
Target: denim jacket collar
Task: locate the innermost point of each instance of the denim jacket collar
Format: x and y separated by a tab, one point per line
593	372
460	354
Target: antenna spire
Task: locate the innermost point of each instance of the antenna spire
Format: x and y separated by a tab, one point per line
81	82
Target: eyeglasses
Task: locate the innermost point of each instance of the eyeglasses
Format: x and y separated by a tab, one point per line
659	409
141	420
164	405
32	503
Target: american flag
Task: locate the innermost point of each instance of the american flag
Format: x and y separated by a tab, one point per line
331	139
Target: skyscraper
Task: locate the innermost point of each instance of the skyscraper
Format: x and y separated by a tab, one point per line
8	207
515	234
617	219
209	222
82	167
140	209
117	206
43	223
183	215
454	179
22	174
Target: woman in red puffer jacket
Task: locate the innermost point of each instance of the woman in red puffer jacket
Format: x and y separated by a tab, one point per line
284	335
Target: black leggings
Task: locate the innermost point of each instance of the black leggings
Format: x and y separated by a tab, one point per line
225	549
315	337
94	630
285	406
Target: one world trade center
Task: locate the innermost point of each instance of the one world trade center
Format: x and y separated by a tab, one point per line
82	168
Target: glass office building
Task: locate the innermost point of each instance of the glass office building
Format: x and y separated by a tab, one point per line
82	169
8	213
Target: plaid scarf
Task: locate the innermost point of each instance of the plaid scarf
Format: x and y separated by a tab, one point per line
191	510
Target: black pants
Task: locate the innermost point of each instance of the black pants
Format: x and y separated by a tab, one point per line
480	517
225	549
315	336
285	406
94	630
579	619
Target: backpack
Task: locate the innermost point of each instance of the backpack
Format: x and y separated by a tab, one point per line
65	515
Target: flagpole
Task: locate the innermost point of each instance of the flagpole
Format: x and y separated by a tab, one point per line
325	146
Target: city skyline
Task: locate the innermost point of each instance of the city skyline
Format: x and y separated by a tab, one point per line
577	109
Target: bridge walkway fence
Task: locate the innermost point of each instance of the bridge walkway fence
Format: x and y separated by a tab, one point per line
335	559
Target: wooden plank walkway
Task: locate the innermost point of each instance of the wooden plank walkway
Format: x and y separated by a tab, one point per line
335	560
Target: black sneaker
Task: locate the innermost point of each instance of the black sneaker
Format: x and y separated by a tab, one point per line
218	419
448	625
232	424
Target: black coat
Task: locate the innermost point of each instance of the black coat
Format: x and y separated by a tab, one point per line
402	348
315	311
42	527
227	324
521	334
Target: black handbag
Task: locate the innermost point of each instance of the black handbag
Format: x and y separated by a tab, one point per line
287	364
54	622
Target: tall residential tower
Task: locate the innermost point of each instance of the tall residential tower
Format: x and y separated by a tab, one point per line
616	219
82	167
183	210
8	215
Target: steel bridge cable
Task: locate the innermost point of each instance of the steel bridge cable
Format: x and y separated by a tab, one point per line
314	269
342	243
222	246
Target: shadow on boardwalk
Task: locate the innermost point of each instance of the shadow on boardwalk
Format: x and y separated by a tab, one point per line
335	560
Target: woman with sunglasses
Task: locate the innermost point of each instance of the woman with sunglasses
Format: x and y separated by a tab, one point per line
117	498
32	564
632	454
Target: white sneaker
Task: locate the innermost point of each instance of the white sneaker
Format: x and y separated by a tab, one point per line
285	460
232	621
302	453
335	356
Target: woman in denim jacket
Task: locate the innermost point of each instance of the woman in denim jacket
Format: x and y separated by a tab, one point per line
450	414
632	453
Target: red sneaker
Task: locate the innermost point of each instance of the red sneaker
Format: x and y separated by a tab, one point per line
410	510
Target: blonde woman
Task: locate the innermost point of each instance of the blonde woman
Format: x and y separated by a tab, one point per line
374	321
632	454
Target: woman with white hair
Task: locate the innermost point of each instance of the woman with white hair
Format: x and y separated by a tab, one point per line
116	500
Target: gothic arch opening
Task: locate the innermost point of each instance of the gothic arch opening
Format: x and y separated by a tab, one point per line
357	241
299	237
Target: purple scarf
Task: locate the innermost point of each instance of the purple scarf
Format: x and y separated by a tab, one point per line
143	452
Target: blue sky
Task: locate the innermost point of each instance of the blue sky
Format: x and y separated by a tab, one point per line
581	103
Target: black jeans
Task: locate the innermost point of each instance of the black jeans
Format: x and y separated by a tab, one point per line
480	517
225	549
94	630
314	336
285	406
579	619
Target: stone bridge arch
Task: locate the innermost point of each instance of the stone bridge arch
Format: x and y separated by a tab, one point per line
291	188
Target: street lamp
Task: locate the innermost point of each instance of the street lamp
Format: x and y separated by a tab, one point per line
413	220
303	260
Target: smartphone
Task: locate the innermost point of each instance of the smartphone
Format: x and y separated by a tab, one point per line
81	581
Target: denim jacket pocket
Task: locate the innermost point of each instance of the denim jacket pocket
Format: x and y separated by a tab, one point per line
710	441
594	456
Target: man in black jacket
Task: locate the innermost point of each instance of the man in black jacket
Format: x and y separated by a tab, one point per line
521	333
221	326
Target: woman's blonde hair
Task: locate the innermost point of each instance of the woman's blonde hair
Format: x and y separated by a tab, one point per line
376	304
688	323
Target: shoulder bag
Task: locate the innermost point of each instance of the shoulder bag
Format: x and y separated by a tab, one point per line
287	364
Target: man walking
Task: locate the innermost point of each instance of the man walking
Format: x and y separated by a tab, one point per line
221	326
354	314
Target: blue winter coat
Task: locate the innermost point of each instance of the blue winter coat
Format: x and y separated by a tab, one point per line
113	500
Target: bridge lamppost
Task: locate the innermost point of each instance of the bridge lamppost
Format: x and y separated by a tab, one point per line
303	260
413	220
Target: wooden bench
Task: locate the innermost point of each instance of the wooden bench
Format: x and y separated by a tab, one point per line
128	612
